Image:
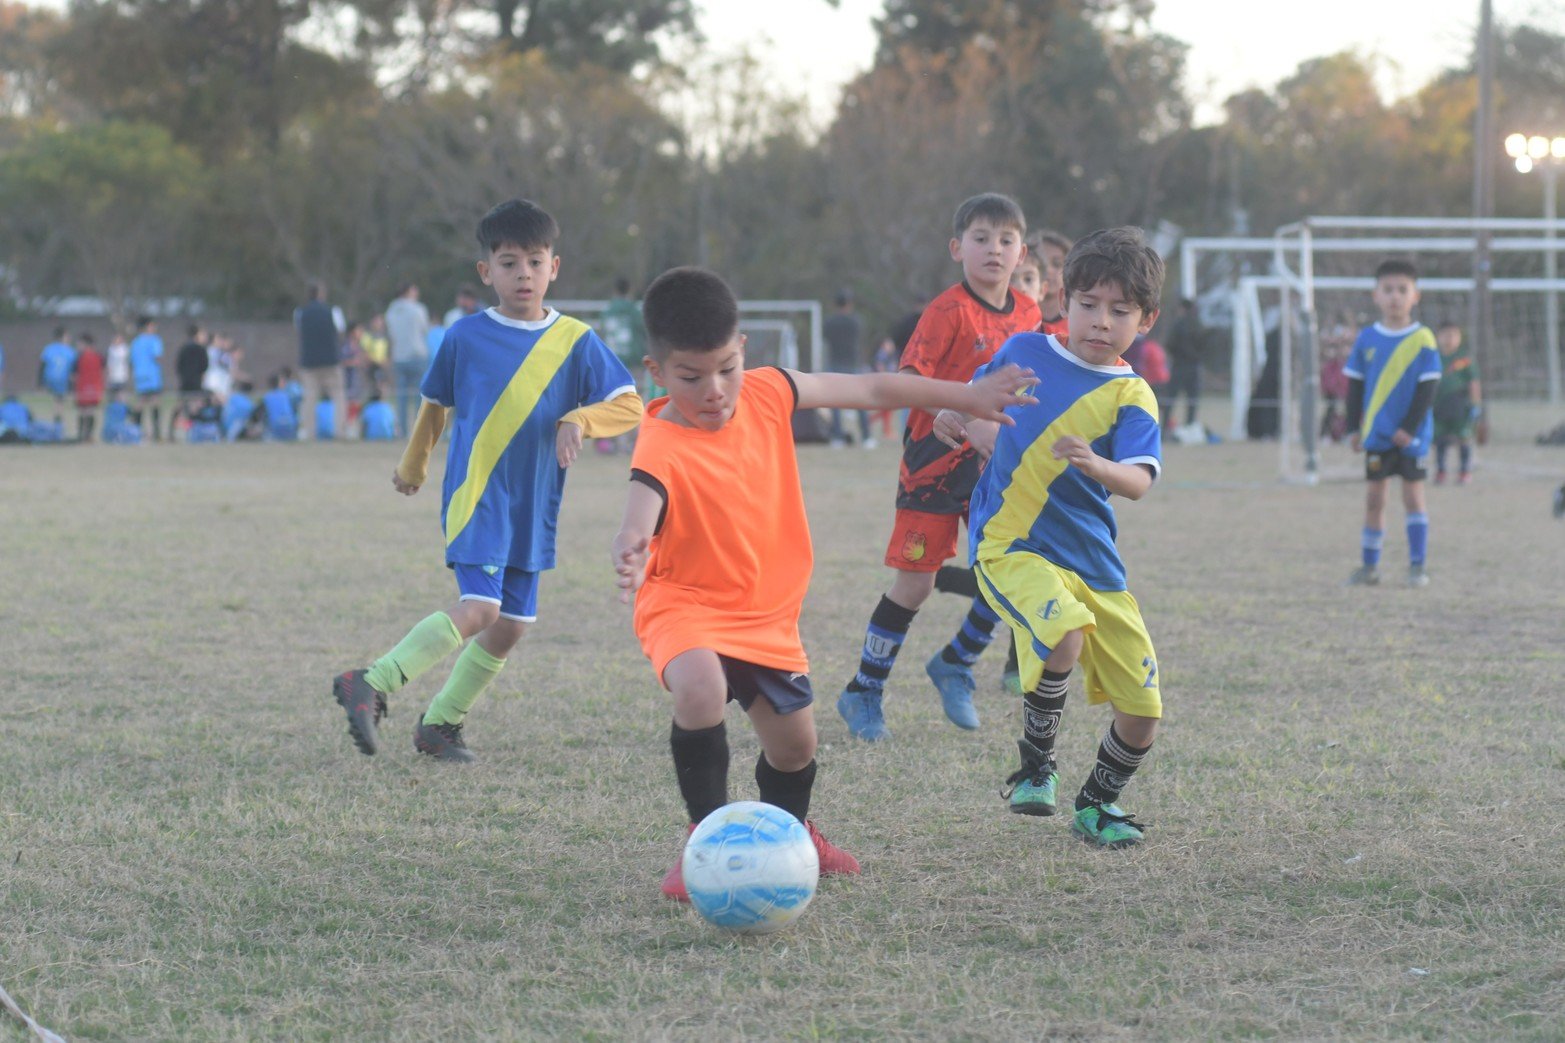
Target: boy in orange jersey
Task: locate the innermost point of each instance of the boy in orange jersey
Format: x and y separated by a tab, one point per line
715	545
959	331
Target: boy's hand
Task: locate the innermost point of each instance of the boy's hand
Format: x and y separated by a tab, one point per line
1354	442
402	487
1401	439
630	563
567	443
1074	449
991	395
981	435
950	429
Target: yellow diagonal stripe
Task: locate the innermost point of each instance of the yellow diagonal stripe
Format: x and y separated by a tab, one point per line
1401	357
510	412
1090	417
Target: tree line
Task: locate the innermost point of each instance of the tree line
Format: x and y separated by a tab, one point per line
230	150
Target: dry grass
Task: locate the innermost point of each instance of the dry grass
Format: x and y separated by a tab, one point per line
1356	793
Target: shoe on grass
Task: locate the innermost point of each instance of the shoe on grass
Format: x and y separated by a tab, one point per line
1107	826
365	707
1030	790
673	885
442	741
1416	576
1364	576
861	710
956	685
833	858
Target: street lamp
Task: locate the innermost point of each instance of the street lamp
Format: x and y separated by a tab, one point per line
1547	156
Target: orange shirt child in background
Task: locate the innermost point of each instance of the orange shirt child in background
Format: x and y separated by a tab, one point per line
715	545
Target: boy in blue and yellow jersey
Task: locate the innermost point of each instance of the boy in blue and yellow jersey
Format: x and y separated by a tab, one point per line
522	385
1393	372
1041	531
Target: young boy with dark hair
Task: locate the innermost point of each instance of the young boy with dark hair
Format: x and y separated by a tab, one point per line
959	331
522	385
715	545
1392	373
146	371
1458	403
1042	530
88	378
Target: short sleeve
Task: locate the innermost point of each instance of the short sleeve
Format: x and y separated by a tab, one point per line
600	375
931	341
1137	436
771	390
1353	369
439	385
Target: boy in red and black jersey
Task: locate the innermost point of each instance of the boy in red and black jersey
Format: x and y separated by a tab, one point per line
959	331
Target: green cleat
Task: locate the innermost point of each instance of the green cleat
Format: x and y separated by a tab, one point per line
1030	789
1107	826
1364	576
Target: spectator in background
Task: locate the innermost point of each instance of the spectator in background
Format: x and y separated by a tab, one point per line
221	362
379	422
2	369
275	415
237	412
89	387
842	331
320	329
54	371
147	373
190	364
407	328
1184	356
372	341
466	304
117	367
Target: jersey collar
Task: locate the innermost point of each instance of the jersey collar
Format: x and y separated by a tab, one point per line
1063	352
549	315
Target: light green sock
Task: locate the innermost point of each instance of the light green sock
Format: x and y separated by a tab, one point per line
434	638
473	671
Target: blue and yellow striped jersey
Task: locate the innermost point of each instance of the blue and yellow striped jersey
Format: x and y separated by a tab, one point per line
1392	363
1028	500
507	384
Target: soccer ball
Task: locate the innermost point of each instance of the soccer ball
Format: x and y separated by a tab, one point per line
750	868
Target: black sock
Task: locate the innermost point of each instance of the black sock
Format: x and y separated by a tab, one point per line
1440	449
888	626
952	579
1041	712
1466	452
1117	762
157	422
789	790
701	765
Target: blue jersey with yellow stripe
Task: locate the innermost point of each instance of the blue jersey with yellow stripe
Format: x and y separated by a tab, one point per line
1392	363
1025	498
508	383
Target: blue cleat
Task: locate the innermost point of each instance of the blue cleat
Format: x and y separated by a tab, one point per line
956	685
861	709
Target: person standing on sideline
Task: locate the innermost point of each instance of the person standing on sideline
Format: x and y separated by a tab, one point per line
55	366
407	327
89	387
1183	346
190	365
117	367
842	331
320	329
466	304
146	349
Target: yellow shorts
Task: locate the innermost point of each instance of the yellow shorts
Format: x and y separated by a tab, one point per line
1043	602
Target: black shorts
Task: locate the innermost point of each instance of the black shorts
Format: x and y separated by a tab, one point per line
1394	463
787	692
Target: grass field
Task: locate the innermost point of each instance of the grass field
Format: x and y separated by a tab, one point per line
1356	793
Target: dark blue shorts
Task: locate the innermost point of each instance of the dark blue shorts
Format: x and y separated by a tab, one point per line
787	692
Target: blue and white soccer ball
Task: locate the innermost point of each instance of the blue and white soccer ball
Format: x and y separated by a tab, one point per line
750	868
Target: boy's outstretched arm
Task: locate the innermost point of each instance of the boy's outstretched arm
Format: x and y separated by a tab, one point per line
986	398
643	507
604	419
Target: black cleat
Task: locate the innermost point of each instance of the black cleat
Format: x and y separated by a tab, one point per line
442	741
365	707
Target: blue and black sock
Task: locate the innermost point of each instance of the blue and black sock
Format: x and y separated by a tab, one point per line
888	627
976	633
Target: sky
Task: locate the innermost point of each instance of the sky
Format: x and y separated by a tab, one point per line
1235	44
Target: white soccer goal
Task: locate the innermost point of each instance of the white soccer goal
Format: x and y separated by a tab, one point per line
1310	284
773	329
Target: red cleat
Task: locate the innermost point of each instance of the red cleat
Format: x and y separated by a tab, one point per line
674	880
833	858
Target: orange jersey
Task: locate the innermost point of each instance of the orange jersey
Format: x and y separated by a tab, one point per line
957	333
1058	327
731	560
